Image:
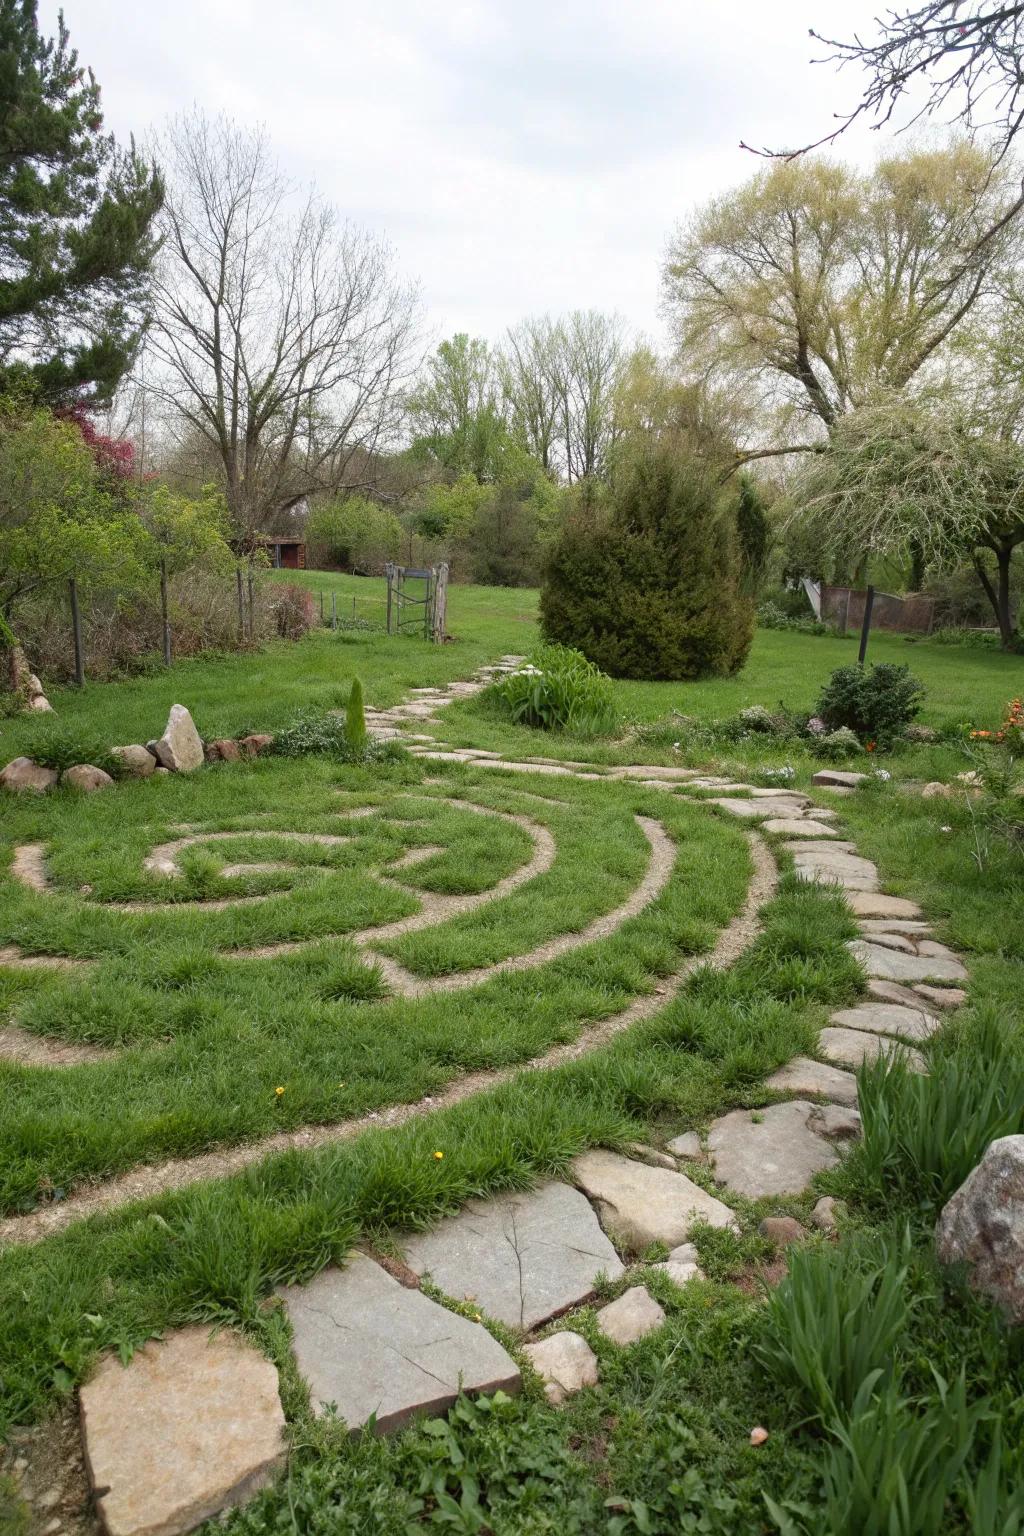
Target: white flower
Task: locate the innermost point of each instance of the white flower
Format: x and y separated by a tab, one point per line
883	775
675	746
945	829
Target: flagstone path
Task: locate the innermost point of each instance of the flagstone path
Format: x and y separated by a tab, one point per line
193	1423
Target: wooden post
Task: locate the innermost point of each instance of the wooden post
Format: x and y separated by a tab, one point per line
353	605
321	607
334	610
252	606
440	613
241	604
865	628
164	615
389	571
76	631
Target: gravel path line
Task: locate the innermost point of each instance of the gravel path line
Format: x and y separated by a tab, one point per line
146	1182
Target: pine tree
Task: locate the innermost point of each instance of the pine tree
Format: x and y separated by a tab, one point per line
355	718
76	223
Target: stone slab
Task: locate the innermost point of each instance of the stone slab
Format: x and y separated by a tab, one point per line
371	1346
892	965
794	826
565	1363
759	810
630	1316
687	1145
877	904
191	1426
523	1258
887	1019
639	1205
772	1151
835	866
941	997
180	748
836	778
803	1075
849	1047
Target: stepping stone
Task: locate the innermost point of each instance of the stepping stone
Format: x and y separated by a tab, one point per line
192	1425
631	1316
751	810
875	904
893	992
640	1205
941	997
565	1363
887	1019
850	1047
894	941
891	965
835	778
803	1075
834	865
522	1258
773	1151
368	1345
907	926
688	1146
794	826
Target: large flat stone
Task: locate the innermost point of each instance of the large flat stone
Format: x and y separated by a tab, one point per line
758	810
893	965
876	904
834	865
849	1047
772	1151
191	1425
523	1258
180	748
887	1019
795	826
371	1346
641	1205
802	1075
837	778
565	1363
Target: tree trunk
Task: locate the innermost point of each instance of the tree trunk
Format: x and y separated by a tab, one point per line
998	594
916	565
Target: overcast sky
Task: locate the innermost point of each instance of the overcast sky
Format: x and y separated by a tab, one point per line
521	156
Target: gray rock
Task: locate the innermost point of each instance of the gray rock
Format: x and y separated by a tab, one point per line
192	1425
825	1214
781	1230
834	778
41	704
941	997
887	1019
679	1272
875	904
893	992
370	1346
802	1076
794	826
936	790
849	1047
890	965
640	1205
86	777
631	1316
523	1258
757	810
180	748
834	866
982	1226
137	762
565	1363
23	775
837	1121
687	1146
908	927
652	1155
772	1151
683	1253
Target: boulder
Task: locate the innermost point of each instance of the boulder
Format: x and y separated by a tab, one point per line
982	1226
781	1230
86	777
565	1363
33	687
255	744
41	704
192	1425
825	1214
137	762
936	790
180	748
22	774
224	750
836	778
631	1316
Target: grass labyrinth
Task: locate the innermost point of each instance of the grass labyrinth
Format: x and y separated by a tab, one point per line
286	943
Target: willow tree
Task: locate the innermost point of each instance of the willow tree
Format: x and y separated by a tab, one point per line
819	285
899	476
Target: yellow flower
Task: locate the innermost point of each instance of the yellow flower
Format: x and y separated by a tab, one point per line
279	1091
342	1085
439	1155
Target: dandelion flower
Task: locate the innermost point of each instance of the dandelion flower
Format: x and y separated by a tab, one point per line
279	1090
439	1155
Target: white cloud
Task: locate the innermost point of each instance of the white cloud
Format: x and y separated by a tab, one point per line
520	156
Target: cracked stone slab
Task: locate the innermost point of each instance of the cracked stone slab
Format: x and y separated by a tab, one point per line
565	1363
887	1019
906	927
892	965
772	1151
630	1316
803	1075
849	1047
192	1425
523	1258
639	1205
370	1346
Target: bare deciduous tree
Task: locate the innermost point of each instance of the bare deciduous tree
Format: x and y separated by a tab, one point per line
528	380
281	333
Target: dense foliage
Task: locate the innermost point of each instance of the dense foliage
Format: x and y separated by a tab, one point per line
558	689
877	703
652	589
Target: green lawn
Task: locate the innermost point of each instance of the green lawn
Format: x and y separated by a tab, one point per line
200	1037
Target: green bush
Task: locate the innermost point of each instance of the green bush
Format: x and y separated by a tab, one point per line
651	589
771	616
877	703
61	746
312	732
558	689
836	746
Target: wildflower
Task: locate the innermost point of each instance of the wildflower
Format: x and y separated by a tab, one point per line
279	1090
758	1435
883	775
945	829
816	726
675	746
439	1155
869	746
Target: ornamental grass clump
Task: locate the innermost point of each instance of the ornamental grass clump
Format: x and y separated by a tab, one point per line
558	689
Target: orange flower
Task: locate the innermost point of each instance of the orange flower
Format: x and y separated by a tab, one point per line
871	745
